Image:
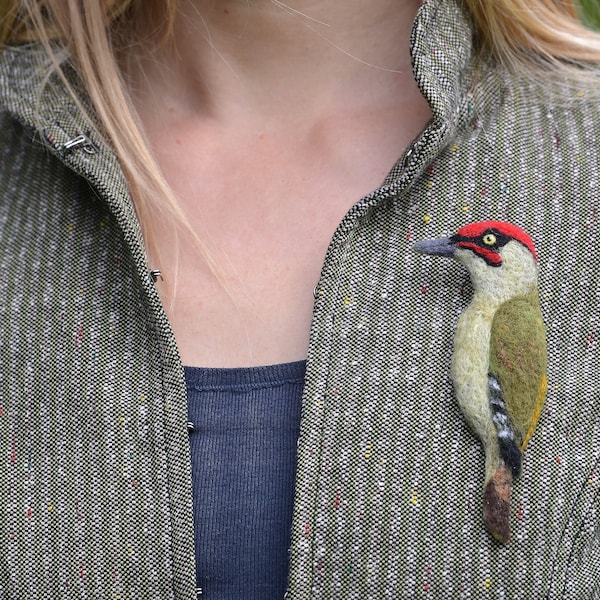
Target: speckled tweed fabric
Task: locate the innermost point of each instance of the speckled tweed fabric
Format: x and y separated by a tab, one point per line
95	479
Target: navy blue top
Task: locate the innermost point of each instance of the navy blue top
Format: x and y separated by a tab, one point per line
243	449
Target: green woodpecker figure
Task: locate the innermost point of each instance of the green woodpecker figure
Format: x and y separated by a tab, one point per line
499	358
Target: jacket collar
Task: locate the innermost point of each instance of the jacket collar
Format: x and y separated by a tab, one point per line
441	50
41	103
442	57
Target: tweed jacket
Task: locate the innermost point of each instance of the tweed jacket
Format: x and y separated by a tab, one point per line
95	485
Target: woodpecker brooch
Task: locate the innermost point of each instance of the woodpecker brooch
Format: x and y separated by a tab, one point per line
499	358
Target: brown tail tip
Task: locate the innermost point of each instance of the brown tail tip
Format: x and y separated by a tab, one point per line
496	504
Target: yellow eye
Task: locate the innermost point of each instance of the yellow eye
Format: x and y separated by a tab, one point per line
489	239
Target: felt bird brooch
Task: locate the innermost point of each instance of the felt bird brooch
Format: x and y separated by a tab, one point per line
499	358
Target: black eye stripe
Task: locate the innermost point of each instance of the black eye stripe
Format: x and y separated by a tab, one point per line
501	239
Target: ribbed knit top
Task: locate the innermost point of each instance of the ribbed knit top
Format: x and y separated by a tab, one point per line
243	448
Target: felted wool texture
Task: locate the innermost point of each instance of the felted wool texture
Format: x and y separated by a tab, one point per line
496	502
498	284
516	276
509	450
475	230
518	360
469	368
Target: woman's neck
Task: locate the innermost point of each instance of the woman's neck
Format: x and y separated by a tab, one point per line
268	124
272	60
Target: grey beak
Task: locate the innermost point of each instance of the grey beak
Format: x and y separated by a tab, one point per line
439	247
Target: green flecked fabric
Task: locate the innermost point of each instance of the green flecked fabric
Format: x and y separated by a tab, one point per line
518	359
95	483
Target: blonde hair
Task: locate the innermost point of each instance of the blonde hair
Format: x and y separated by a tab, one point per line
534	34
524	35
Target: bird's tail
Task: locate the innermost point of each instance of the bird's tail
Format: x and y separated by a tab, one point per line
507	444
496	504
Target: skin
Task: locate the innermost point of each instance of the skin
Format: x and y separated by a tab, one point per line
269	122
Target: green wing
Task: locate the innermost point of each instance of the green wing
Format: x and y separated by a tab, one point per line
518	361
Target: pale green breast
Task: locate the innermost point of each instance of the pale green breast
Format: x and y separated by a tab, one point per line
470	367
